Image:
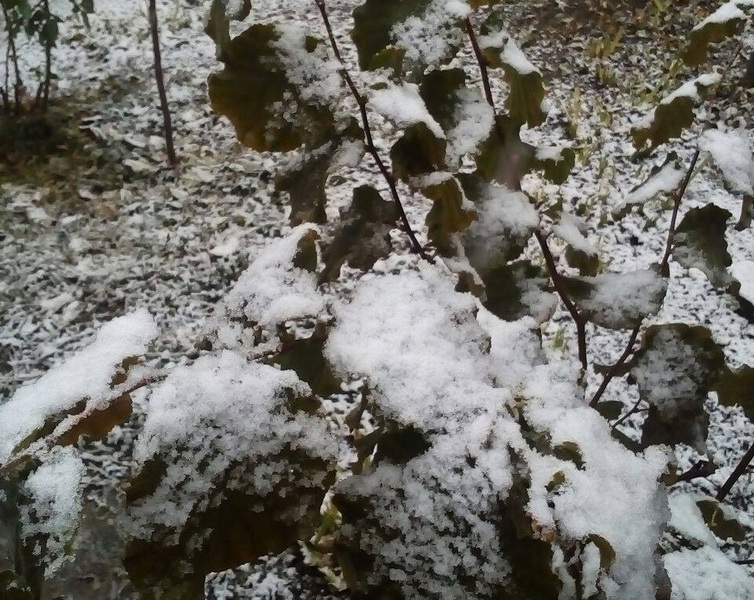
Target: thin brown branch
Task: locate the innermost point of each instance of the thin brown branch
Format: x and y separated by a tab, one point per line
166	119
371	148
616	366
560	288
674	216
701	468
740	469
634	409
481	61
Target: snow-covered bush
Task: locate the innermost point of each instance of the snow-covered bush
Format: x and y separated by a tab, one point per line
473	464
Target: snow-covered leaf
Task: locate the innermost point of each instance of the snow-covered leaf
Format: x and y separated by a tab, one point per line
662	180
450	214
673	114
234	462
618	300
675	368
517	290
725	22
268	67
700	242
363	236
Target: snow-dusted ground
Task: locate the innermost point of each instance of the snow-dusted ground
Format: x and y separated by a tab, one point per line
126	232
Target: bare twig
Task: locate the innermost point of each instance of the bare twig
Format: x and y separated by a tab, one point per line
674	216
167	122
560	288
736	474
616	366
701	468
371	148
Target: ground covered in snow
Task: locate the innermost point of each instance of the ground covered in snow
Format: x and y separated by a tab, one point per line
103	227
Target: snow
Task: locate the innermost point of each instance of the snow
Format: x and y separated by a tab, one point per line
223	416
87	375
743	271
731	152
432	37
727	12
620	298
51	517
270	292
402	105
571	230
474	122
705	574
666	180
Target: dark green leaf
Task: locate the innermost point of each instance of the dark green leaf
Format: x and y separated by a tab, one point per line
610	409
675	369
716	519
253	86
736	388
448	215
363	236
417	152
517	290
700	242
618	300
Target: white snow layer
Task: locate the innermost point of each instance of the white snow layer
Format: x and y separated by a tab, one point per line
87	375
732	153
403	106
219	413
426	360
52	516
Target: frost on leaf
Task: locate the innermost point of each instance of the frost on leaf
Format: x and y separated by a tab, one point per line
420	33
675	369
234	461
662	180
618	300
279	286
363	236
700	242
78	396
277	88
726	21
673	114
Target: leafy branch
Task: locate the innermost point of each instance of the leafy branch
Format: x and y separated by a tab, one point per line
663	266
370	146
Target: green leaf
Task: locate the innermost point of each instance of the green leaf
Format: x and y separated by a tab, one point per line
717	520
384	25
448	215
218	28
254	85
519	289
569	451
607	553
556	162
306	358
736	388
700	242
505	221
363	236
710	31
417	152
618	300
440	91
672	115
675	368
610	409
503	157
